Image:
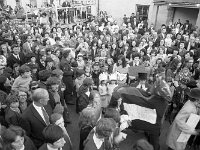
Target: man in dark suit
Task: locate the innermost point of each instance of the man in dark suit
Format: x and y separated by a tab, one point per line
162	35
65	66
36	116
16	57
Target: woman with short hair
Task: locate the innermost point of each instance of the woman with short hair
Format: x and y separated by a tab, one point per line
87	121
101	138
14	138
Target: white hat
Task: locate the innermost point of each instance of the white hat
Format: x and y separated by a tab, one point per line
103	76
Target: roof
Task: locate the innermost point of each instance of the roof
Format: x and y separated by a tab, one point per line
178	1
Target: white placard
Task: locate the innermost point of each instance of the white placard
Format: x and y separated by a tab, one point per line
142	113
191	122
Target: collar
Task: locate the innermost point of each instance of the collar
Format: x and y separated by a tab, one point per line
23	147
36	107
51	148
87	93
98	142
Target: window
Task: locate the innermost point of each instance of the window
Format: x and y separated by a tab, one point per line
142	11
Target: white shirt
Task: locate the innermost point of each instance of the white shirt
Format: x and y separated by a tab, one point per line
16	56
142	86
50	148
98	142
39	110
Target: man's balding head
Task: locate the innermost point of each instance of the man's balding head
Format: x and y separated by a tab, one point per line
40	96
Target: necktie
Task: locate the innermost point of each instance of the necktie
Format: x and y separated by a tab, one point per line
46	116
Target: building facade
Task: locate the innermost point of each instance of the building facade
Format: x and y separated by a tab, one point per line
165	11
118	8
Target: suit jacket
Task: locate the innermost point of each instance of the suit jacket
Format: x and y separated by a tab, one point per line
179	125
41	65
65	66
94	54
161	36
28	144
33	124
12	60
12	117
27	48
90	144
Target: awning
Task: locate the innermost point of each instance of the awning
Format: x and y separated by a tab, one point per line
178	1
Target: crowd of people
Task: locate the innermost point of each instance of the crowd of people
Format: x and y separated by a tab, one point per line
45	68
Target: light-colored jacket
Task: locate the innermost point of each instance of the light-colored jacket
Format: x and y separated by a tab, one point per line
179	125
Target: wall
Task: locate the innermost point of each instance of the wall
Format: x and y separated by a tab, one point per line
161	16
117	8
190	14
198	20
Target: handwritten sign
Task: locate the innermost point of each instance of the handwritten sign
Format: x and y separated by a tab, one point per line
142	113
191	122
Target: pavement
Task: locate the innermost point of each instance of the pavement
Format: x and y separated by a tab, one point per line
127	144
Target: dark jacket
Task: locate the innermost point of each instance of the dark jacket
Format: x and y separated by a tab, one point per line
83	101
12	117
33	124
84	132
12	60
90	145
28	144
65	66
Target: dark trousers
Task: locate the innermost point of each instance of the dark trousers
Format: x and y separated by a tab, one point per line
69	88
153	131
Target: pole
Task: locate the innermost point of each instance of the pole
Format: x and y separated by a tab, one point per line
98	7
56	9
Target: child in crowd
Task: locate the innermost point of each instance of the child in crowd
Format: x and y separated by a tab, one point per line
113	83
103	90
22	82
12	113
87	70
80	76
80	61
